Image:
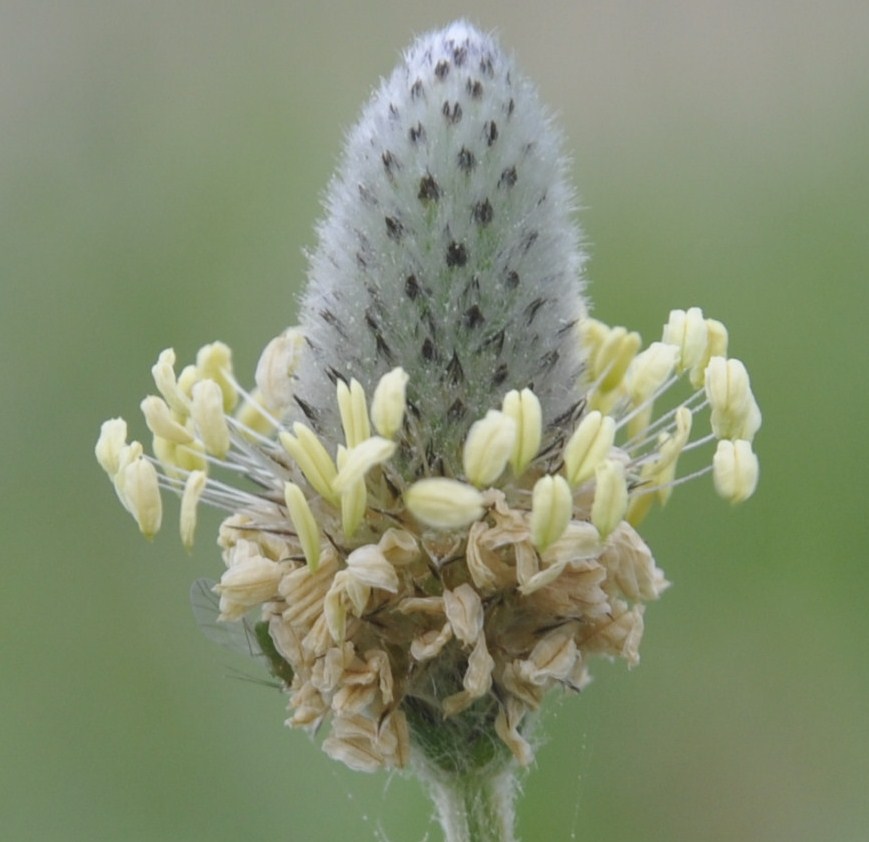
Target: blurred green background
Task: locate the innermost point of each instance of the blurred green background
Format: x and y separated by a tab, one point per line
161	166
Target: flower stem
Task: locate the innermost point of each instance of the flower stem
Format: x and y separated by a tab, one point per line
477	807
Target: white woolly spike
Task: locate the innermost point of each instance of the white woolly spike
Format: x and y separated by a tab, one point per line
448	248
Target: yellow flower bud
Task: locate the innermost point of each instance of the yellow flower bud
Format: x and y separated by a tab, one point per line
551	510
113	436
388	403
735	470
444	503
610	497
313	459
214	362
193	488
735	413
488	447
207	413
160	422
361	459
354	412
141	495
588	447
524	408
304	523
687	331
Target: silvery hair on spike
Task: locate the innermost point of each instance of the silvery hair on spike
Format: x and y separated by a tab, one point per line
448	248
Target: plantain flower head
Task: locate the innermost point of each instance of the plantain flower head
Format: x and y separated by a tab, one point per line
432	492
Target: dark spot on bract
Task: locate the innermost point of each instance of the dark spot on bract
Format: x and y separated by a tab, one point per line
500	374
411	287
383	349
453	112
394	229
393	111
466	159
532	309
495	342
416	89
528	240
474	89
491	132
548	360
390	162
483	212
429	191
457	255
310	412
512	279
508	177
455	371
460	53
457	410
511	107
429	352
473	317
442	68
486	67
570	414
417	133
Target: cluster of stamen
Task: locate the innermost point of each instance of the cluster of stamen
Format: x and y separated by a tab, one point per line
395	598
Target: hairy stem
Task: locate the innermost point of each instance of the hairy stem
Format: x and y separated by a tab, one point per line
476	807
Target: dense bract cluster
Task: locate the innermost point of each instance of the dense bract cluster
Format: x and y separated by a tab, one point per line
433	489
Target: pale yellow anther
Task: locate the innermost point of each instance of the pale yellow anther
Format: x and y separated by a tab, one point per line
687	330
671	446
113	436
193	488
354	498
614	356
588	447
276	367
313	459
551	510
488	447
186	380
662	469
361	459
126	455
160	422
174	457
354	412
735	470
304	523
524	408
141	495
610	497
251	414
716	346
207	413
214	362
593	334
163	372
389	403
444	503
649	371
734	411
